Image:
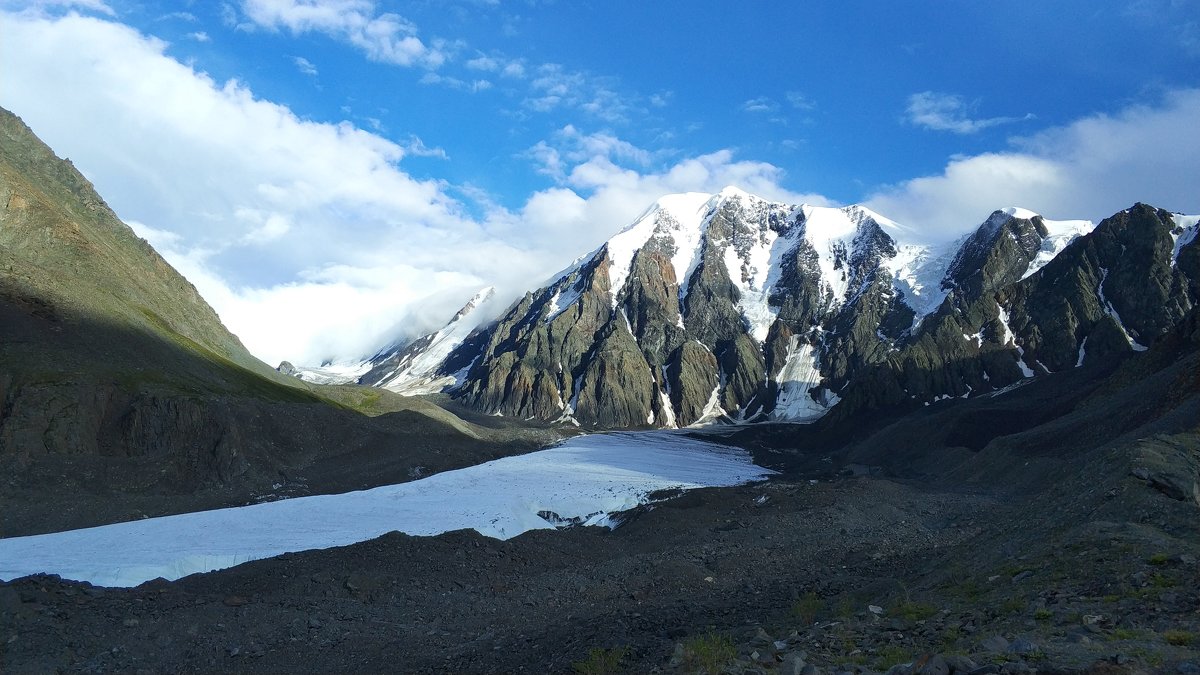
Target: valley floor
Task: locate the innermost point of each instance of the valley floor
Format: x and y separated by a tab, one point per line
847	573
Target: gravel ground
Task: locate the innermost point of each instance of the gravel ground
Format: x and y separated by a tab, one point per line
951	572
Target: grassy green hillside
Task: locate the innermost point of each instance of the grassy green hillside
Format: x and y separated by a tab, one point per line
69	262
123	395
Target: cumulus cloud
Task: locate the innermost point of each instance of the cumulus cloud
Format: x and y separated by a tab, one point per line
383	37
1090	169
948	112
604	184
310	239
485	63
259	201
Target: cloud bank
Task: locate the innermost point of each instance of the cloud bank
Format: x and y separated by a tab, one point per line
313	242
310	239
1090	168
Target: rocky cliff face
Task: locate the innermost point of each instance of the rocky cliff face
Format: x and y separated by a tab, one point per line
1111	292
730	306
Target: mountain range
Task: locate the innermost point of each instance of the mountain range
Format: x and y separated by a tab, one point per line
731	307
1052	500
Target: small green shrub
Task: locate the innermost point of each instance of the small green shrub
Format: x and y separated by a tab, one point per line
913	611
846	607
601	661
891	655
1151	657
708	653
1012	605
968	589
950	638
1161	581
1043	614
1123	634
1179	638
807	607
1159	559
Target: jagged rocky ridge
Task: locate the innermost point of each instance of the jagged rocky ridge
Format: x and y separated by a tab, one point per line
409	367
729	306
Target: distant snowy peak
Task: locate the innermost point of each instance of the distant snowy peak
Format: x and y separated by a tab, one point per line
729	307
1011	244
327	373
675	223
406	367
754	235
1060	234
468	310
414	369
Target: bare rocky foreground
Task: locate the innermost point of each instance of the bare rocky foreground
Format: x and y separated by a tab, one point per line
849	573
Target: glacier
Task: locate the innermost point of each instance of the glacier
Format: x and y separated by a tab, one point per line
587	480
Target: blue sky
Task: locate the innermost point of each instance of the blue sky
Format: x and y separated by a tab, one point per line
333	173
821	90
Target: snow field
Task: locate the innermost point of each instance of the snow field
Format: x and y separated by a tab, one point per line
587	478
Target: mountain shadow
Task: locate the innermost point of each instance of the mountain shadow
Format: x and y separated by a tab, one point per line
122	395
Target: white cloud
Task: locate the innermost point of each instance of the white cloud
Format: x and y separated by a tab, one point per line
472	86
554	87
386	37
514	69
309	238
200	36
305	66
1090	168
761	104
262	198
799	101
485	63
948	112
417	148
180	16
265	227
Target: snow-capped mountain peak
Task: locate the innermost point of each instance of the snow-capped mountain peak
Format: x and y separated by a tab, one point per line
413	369
1018	212
677	222
727	306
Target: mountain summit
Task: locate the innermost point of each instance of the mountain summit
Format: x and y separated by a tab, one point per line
730	306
